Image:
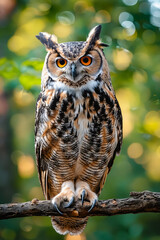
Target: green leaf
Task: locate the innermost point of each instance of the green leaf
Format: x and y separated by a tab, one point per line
28	81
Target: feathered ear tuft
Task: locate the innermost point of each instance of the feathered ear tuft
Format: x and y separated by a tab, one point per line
48	40
93	39
93	36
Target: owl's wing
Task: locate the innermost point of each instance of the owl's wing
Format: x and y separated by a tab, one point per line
42	165
117	114
42	169
119	126
119	129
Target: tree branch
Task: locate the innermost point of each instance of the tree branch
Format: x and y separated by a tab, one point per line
138	202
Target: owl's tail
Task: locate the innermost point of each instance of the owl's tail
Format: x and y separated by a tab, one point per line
71	225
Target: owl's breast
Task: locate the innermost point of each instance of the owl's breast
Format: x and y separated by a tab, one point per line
81	122
97	127
79	128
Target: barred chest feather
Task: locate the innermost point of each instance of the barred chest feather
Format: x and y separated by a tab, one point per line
78	131
86	115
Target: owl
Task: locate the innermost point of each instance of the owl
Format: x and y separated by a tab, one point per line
78	127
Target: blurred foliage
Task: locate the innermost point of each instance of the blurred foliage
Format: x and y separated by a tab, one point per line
131	28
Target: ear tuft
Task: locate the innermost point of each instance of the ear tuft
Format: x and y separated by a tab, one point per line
48	40
94	35
93	39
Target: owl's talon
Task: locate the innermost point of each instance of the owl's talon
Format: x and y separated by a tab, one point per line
93	204
69	203
82	196
83	192
56	207
66	196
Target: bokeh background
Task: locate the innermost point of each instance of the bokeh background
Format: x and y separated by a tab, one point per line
131	28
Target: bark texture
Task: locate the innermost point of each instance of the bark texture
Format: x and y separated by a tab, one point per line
138	202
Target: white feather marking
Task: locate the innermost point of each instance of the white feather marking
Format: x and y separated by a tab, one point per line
90	85
82	122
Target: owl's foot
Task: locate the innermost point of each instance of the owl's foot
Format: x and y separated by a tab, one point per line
84	192
65	197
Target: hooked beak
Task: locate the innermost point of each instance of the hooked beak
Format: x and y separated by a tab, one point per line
73	71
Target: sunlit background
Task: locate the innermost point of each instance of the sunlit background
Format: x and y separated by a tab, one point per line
131	28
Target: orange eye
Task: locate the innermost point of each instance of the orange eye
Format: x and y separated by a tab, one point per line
61	62
86	60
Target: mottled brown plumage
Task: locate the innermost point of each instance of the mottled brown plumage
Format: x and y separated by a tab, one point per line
78	128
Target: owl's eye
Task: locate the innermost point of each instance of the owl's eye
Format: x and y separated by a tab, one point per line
61	62
86	60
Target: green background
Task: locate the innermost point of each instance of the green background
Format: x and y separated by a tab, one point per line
131	28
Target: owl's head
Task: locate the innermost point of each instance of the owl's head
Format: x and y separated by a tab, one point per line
74	63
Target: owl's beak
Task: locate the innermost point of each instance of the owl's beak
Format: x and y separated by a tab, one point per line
73	71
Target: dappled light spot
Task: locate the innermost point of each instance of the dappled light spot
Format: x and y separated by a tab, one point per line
19	123
28	229
128	36
153	165
127	100
62	31
140	76
27	14
141	160
125	16
25	226
16	43
128	123
130	2
66	17
26	166
76	237
135	150
155	12
129	26
121	34
126	21
152	123
22	98
102	16
24	38
44	6
127	32
122	58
